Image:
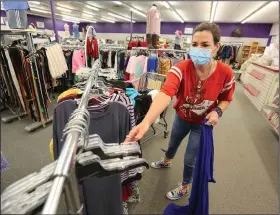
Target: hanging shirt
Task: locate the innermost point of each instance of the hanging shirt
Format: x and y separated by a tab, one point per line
131	67
14	78
153	94
140	65
109	62
203	173
56	60
99	195
89	47
76	32
132	93
94	47
164	65
78	60
152	64
181	81
15	5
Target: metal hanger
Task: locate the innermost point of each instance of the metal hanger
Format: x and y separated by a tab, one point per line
27	202
111	150
89	164
29	183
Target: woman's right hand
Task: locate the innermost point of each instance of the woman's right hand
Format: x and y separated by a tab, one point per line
137	132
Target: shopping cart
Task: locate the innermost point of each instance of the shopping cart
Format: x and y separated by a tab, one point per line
153	81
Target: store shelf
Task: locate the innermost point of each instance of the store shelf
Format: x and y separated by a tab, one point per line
20	31
271	125
273	69
269	107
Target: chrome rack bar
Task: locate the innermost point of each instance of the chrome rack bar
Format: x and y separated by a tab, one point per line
72	46
167	50
112	47
65	168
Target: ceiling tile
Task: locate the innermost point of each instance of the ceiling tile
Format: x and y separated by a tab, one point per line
269	14
191	11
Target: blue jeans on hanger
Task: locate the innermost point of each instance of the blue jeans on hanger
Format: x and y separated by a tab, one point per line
180	130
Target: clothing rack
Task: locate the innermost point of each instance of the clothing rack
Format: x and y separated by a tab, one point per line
15	116
72	46
232	43
64	173
32	49
167	50
111	46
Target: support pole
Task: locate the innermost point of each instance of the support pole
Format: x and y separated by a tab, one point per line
131	25
54	20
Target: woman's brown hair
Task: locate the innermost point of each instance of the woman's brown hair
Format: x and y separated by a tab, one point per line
211	27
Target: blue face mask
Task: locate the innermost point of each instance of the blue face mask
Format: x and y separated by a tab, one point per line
200	56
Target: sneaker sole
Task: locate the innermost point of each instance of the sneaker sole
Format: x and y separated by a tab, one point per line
173	199
155	167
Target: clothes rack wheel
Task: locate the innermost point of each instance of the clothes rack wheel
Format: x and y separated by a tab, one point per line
166	134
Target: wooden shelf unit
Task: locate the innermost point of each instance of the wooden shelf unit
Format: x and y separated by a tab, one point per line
246	51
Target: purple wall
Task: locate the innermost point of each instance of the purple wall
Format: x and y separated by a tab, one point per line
249	30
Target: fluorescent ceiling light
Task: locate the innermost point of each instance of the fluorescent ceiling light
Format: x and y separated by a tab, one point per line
177	16
64	6
121	17
39	10
63	9
261	8
88	20
107	20
34	2
87	15
69	17
213	10
88	12
138	12
166	4
68	20
91	7
117	2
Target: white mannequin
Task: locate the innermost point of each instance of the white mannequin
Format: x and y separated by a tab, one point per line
66	30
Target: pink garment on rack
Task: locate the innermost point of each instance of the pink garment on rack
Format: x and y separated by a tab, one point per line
132	64
153	21
131	67
78	60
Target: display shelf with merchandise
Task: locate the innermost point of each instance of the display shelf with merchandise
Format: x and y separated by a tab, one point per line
272	118
271	107
262	90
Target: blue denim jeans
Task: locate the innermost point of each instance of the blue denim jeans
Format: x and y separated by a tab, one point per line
180	130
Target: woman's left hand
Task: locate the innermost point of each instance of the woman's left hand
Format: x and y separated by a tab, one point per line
213	118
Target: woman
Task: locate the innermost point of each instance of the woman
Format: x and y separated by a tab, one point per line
204	89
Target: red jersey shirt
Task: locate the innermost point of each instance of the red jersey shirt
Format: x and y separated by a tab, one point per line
195	102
